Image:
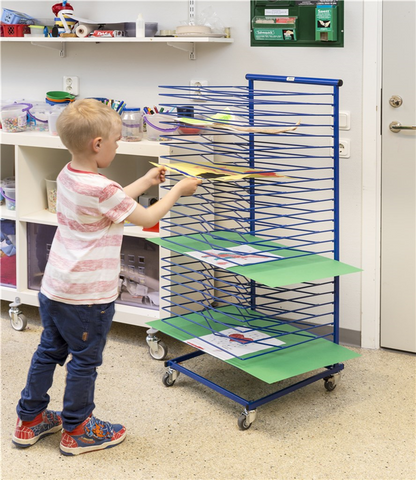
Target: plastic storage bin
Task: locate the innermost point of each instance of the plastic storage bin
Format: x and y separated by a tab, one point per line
139	274
8	257
9	193
8	181
158	128
38	117
12	16
14	117
15	30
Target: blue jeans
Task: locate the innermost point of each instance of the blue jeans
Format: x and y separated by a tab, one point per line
79	330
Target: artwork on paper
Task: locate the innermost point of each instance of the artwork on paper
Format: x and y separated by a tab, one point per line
233	256
219	172
231	343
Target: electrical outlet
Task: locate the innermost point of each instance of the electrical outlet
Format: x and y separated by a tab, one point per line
344	148
196	84
71	85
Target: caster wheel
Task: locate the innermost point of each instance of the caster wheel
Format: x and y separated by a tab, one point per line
243	423
160	353
18	322
330	383
167	380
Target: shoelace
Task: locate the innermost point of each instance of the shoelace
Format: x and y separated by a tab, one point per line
99	429
51	416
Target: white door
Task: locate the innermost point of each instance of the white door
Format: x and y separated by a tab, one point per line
398	202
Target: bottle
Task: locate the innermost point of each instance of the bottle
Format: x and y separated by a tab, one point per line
132	125
140	26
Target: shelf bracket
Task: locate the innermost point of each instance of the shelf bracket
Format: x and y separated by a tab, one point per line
55	46
189	47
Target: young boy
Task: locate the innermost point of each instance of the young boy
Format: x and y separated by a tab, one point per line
80	283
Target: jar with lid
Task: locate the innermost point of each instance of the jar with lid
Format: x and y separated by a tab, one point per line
132	125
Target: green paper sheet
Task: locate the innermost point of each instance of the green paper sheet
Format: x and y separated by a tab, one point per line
271	367
287	271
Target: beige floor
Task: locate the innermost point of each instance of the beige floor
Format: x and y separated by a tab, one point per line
363	430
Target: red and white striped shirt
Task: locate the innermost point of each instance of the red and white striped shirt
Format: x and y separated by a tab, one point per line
84	261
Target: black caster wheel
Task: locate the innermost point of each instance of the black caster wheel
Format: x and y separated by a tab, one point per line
330	383
167	380
243	423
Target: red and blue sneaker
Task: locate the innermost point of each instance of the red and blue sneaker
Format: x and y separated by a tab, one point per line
91	435
28	433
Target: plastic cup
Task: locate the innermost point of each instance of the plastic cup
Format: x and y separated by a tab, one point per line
158	128
51	192
52	119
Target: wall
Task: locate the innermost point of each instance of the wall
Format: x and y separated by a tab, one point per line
132	72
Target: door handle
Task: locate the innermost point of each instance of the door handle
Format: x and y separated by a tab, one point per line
396	127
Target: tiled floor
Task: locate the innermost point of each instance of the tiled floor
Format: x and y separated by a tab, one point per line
363	430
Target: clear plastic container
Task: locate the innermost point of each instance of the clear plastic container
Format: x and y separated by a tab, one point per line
9	193
38	117
51	192
53	115
157	127
6	182
14	117
132	125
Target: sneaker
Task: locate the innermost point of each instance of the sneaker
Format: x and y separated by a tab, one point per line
91	435
28	433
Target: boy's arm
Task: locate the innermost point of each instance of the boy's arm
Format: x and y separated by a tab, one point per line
154	176
147	217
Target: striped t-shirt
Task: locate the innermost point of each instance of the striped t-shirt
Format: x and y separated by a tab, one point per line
84	261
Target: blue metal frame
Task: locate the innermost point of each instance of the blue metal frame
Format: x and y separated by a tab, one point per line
308	206
176	364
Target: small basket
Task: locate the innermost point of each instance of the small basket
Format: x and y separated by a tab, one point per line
15	30
13	17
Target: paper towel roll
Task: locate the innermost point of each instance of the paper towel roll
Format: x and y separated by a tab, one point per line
83	31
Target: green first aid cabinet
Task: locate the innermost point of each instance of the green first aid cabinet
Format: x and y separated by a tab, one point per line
297	23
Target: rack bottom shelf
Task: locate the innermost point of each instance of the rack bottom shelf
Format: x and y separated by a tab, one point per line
271	367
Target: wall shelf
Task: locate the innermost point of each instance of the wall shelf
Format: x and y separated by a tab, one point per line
187	44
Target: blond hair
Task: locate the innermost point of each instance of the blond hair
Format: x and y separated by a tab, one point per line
84	120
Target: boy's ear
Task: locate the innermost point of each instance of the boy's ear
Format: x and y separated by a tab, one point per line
96	144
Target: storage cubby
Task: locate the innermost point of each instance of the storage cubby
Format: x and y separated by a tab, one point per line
33	157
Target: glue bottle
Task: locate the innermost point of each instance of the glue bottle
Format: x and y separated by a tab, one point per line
140	32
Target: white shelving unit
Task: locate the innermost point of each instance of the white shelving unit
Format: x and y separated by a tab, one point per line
34	156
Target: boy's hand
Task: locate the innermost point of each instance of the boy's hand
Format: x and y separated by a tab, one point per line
188	185
156	176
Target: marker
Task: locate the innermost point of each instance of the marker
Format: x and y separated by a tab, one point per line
156	110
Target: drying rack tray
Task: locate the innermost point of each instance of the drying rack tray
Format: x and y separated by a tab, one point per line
270	367
296	267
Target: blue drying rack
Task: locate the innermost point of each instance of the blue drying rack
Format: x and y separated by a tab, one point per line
277	318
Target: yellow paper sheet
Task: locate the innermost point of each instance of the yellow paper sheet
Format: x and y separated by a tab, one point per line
219	172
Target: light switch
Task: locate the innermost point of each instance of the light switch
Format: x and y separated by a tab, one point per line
344	120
